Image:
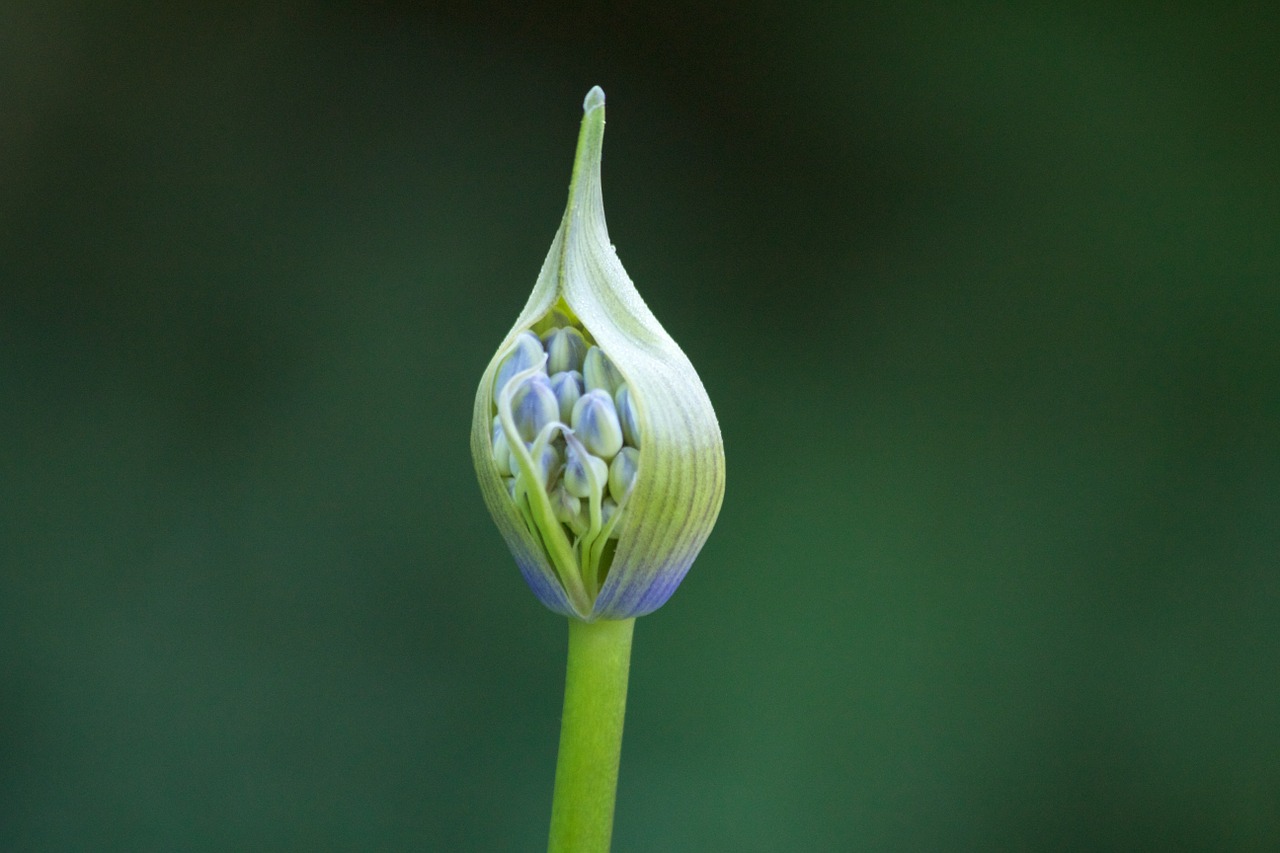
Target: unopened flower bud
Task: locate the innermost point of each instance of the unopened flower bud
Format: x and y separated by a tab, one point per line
596	424
565	348
527	353
566	506
599	373
627	415
622	473
587	374
584	474
501	449
533	406
568	390
548	464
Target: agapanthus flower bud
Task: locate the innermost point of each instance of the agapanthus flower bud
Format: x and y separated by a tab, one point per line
599	372
533	406
526	353
501	450
566	347
568	390
595	444
622	473
547	464
585	475
627	415
567	507
595	422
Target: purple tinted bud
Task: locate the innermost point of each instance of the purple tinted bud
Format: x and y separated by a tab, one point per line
595	422
568	390
527	353
533	406
627	415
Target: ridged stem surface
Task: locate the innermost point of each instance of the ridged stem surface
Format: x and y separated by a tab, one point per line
595	702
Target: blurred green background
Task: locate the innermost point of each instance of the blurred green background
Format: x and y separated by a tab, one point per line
987	297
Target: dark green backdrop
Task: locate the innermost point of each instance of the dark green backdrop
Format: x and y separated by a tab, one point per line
987	299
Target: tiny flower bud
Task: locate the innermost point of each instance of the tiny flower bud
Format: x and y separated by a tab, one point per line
567	507
501	450
599	372
527	353
596	423
566	348
584	475
622	473
548	465
627	415
568	390
533	406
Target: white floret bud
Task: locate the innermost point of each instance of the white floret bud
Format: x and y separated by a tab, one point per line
501	449
599	373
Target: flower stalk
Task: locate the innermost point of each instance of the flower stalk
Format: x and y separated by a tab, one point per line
595	700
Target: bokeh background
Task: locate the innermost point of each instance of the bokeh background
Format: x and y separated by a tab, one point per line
987	297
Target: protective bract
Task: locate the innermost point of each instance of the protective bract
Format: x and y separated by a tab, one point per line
597	450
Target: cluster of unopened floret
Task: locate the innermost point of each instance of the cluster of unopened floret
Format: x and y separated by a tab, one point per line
565	425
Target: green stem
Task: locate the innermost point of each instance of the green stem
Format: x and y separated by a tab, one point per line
595	700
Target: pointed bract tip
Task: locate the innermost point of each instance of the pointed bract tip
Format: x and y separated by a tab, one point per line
594	98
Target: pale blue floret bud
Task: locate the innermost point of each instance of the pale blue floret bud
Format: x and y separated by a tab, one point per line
595	423
627	415
566	348
528	352
567	386
622	473
547	464
599	372
533	406
584	473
